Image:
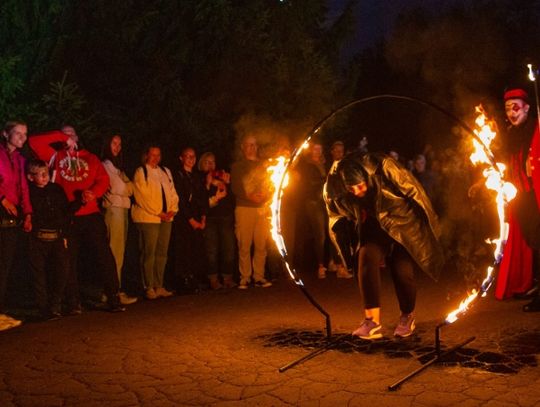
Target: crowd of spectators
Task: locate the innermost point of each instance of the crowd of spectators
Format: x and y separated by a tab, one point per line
199	227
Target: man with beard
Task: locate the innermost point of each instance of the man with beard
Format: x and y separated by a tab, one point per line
516	276
393	219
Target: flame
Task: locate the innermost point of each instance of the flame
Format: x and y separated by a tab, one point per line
279	178
531	74
505	192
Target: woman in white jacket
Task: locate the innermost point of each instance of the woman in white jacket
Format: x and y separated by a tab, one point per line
156	204
116	203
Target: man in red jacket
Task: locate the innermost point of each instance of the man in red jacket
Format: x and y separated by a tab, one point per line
83	178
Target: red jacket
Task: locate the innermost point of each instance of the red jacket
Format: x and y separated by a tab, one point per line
74	172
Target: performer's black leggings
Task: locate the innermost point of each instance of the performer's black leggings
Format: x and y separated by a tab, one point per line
402	268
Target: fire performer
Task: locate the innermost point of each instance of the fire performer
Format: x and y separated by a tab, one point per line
393	217
522	248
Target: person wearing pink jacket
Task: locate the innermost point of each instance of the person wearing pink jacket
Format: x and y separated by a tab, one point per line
14	205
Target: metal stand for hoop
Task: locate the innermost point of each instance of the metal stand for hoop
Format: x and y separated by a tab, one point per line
330	342
438	356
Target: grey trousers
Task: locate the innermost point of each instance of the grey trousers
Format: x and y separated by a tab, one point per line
153	245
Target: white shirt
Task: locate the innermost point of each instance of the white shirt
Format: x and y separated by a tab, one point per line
148	199
120	189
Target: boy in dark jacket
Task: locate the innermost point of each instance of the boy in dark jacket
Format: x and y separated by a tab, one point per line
48	243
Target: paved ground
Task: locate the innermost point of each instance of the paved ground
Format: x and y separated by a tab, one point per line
225	348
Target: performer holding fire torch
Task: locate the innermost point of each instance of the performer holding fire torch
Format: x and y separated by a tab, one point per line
521	254
394	218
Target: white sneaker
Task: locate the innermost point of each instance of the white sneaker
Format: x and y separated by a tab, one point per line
126	299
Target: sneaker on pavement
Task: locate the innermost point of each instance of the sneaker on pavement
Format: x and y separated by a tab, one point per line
244	285
321	273
368	330
342	272
150	294
126	299
163	292
5	325
5	317
7	322
406	326
263	283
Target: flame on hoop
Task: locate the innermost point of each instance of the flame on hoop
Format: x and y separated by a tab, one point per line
279	178
505	192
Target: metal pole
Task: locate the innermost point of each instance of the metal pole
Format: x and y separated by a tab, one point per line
532	77
438	357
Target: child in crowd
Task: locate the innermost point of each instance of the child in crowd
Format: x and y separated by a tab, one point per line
49	258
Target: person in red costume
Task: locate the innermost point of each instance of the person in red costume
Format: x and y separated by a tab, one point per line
84	180
520	259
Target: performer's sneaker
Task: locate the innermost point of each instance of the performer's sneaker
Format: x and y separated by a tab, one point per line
406	326
368	330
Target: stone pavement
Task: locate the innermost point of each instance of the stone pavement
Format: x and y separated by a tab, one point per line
225	348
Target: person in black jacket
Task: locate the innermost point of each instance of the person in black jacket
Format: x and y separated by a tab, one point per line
393	217
189	224
48	240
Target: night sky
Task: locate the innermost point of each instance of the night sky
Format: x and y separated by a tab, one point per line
375	18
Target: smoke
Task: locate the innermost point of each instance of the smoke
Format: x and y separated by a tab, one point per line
273	137
468	211
456	60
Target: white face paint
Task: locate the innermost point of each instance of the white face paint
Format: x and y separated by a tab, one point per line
517	111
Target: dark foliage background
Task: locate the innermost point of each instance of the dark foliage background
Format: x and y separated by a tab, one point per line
186	72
